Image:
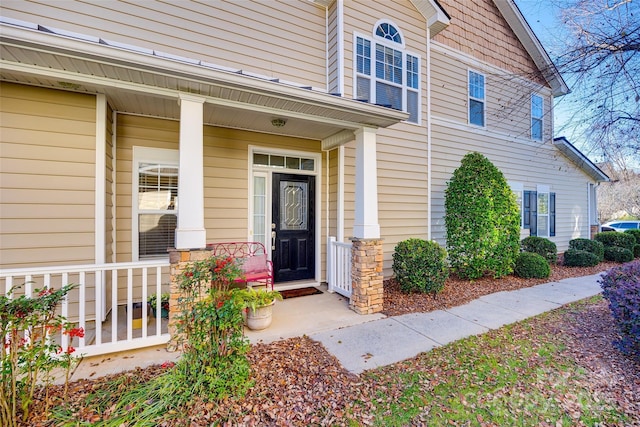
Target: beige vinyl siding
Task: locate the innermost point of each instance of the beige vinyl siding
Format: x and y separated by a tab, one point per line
143	132
47	177
507	98
332	182
361	15
521	161
402	187
225	174
332	49
401	149
279	38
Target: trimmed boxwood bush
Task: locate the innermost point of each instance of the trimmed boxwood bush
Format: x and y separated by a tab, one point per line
613	238
636	248
482	220
588	245
621	287
634	233
579	258
531	265
420	266
617	254
541	246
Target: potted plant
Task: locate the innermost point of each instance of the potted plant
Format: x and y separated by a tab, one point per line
259	306
164	304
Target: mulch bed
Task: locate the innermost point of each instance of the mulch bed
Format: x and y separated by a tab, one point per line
298	383
460	291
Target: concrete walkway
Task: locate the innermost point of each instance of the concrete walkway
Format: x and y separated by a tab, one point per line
393	339
366	342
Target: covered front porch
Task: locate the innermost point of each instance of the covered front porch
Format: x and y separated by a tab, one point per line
198	103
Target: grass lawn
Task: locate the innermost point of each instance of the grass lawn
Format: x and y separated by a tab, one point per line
519	375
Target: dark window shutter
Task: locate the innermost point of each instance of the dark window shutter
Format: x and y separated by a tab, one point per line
552	214
533	213
526	203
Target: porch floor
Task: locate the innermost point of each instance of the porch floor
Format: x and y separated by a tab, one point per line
291	318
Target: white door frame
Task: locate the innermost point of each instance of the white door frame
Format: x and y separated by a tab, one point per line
267	172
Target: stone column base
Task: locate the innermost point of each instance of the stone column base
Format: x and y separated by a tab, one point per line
367	293
179	259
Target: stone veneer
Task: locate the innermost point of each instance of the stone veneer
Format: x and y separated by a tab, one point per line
179	259
367	292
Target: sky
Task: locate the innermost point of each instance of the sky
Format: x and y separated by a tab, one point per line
544	18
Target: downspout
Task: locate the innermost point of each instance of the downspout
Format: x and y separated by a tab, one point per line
589	207
428	133
340	85
340	47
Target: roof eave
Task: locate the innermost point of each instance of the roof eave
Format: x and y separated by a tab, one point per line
576	156
437	18
367	114
527	37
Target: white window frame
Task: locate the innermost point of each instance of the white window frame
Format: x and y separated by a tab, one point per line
540	190
374	41
147	155
482	100
535	119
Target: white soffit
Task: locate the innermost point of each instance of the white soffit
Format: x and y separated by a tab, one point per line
437	18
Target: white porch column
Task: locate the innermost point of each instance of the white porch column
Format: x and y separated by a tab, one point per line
366	215
190	232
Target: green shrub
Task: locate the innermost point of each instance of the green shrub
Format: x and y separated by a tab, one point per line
636	251
617	254
580	258
420	266
531	265
634	233
541	246
613	238
482	220
588	245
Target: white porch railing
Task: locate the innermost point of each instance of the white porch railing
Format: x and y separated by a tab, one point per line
102	303
339	267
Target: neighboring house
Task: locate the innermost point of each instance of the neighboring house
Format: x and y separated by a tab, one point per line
130	127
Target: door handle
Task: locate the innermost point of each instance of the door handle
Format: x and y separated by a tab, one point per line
273	240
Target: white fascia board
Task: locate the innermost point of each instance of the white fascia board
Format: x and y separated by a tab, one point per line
582	161
527	37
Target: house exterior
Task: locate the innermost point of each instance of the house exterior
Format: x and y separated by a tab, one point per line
128	128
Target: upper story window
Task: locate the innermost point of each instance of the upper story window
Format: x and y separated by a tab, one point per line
476	98
537	111
386	74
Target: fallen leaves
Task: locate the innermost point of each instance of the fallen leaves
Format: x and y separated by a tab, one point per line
298	383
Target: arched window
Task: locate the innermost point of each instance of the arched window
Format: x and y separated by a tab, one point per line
387	74
389	32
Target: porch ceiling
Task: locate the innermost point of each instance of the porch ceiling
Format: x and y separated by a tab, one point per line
146	82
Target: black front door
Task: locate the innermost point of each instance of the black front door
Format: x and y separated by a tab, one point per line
294	227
